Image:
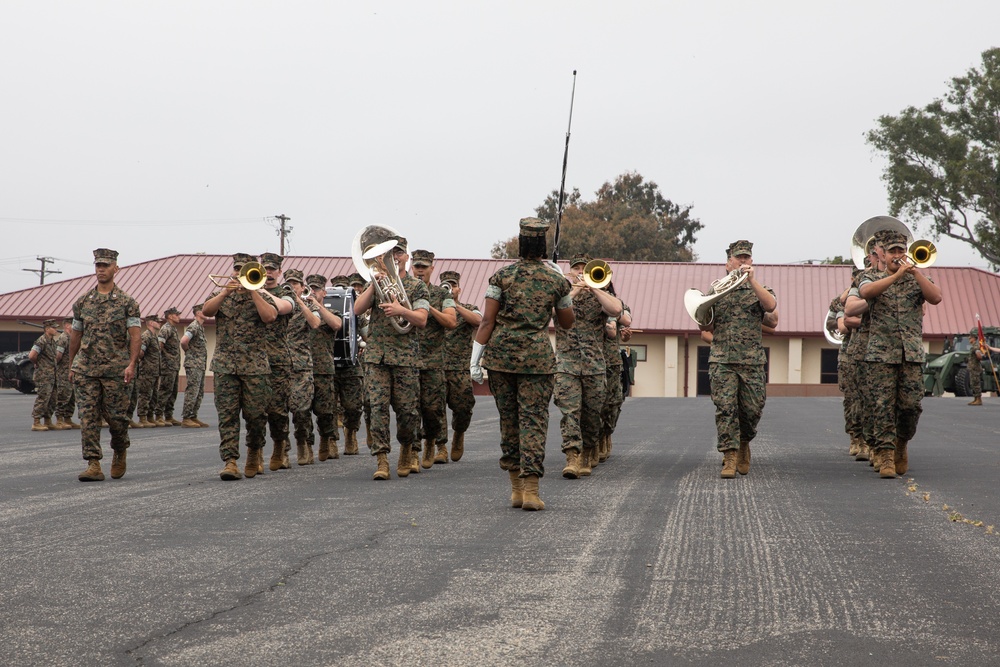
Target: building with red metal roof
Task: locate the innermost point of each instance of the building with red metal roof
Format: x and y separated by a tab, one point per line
800	357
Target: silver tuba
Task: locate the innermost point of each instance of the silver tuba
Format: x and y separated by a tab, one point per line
864	236
372	255
832	337
699	306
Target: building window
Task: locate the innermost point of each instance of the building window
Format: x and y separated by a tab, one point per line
828	366
703	382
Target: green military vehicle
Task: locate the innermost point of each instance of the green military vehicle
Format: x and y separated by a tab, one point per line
947	371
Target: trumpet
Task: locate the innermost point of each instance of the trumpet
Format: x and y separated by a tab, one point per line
252	276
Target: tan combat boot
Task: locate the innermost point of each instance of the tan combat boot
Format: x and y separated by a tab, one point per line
743	458
855	446
190	423
595	457
158	421
49	424
173	422
516	488
93	472
978	400
62	425
200	423
901	459
351	443
334	453
403	464
230	471
252	464
145	423
529	499
310	455
887	467
414	460
286	448
276	454
584	466
864	453
382	472
728	464
442	454
428	458
875	459
118	464
457	446
324	448
572	469
37	425
602	448
71	423
301	457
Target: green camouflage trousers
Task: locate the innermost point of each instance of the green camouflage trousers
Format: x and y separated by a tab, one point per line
739	392
433	403
324	404
613	399
166	394
523	403
975	370
897	391
277	407
102	398
397	387
461	399
580	398
865	407
250	395
349	389
133	398
65	397
146	394
847	379
46	388
300	401
194	391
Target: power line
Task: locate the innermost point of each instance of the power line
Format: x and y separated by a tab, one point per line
43	271
133	223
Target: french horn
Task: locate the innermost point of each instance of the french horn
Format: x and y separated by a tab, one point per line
371	252
699	306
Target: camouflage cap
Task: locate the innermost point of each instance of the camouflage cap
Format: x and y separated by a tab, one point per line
316	280
196	308
171	311
68	320
579	259
741	247
889	239
356	279
241	258
422	258
296	275
451	277
105	256
533	227
51	323
340	281
271	260
400	244
152	318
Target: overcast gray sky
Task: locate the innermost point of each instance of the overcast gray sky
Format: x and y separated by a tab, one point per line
161	128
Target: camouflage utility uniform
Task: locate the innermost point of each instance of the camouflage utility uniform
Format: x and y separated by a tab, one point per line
170	367
44	376
195	362
461	397
974	368
433	388
520	360
325	376
279	356
300	390
148	376
614	393
65	399
103	322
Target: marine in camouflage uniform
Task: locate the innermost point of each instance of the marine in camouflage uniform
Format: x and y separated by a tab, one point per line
895	353
363	321
104	351
736	361
279	356
348	380
65	397
241	370
580	382
433	387
457	349
392	363
149	372
300	394
170	368
43	356
846	372
195	348
614	395
513	343
974	367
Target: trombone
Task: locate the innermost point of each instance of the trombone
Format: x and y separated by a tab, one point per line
921	254
597	274
252	276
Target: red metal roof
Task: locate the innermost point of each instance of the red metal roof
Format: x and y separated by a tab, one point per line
654	290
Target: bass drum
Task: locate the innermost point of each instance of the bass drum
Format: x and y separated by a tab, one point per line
345	343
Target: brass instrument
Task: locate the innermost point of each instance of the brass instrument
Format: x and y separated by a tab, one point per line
372	255
832	337
921	253
449	284
252	276
597	273
699	306
864	236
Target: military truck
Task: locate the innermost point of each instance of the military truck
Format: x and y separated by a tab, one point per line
17	369
948	372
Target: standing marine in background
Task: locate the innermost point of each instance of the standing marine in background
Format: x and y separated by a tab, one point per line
43	356
65	397
170	368
195	348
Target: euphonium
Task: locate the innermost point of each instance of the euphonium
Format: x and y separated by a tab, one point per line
372	255
832	337
252	276
699	306
597	273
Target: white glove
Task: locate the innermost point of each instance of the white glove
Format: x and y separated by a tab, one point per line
477	355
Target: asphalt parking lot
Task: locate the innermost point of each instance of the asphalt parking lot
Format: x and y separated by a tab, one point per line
811	559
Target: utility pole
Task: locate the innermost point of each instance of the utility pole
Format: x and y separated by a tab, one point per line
283	232
43	271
